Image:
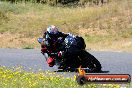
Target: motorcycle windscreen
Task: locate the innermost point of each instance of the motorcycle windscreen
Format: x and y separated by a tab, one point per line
40	40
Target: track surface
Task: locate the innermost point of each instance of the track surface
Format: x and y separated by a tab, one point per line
33	60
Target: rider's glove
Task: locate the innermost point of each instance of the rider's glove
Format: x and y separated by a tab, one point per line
60	53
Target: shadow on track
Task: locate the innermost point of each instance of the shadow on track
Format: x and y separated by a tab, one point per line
87	71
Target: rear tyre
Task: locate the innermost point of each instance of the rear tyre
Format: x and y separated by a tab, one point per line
90	62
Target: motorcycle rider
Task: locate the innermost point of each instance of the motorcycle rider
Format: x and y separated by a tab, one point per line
52	43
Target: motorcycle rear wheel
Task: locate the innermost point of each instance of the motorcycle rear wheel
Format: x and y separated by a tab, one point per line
90	62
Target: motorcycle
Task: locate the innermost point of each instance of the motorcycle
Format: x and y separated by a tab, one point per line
75	55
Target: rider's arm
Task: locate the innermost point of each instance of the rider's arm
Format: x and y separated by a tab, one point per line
63	35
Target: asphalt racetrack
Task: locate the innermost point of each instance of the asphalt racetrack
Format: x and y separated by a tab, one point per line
33	60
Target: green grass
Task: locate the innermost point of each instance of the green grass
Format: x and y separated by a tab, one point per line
21	79
96	24
18	78
35	17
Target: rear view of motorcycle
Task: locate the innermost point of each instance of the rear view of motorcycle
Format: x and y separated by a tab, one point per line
72	55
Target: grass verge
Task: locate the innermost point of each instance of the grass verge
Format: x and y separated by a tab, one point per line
18	78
